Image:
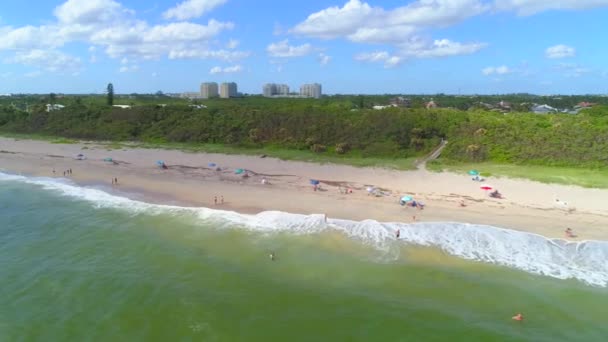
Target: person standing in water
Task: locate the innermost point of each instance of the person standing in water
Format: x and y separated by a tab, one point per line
272	256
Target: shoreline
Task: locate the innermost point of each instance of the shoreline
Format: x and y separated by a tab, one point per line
189	181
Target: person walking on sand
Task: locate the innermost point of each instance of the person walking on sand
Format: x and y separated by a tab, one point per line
116	181
215	200
222	199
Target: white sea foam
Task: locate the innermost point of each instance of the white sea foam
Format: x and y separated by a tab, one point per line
586	261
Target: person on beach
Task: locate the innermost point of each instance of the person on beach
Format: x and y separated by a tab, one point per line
263	180
53	171
272	256
215	200
115	180
462	204
397	233
569	233
519	317
222	199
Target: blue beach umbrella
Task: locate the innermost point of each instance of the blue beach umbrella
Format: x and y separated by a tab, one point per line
406	198
474	173
239	171
160	163
211	164
314	182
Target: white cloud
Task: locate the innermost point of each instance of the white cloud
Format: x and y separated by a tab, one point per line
224	55
192	9
530	7
572	69
439	48
108	26
379	56
560	51
324	59
50	60
128	68
500	70
401	27
226	70
360	22
283	49
232	44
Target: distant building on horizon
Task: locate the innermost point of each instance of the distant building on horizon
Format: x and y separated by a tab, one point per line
273	89
228	90
209	90
311	90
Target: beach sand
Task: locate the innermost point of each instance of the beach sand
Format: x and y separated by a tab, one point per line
546	209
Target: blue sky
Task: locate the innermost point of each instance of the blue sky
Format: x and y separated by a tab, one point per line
349	46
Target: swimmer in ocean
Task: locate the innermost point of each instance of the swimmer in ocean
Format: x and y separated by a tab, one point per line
518	317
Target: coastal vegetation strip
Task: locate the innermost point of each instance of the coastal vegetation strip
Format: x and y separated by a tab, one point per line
337	129
584	177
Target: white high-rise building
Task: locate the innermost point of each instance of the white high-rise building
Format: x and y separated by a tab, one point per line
282	89
269	89
311	90
273	89
228	90
209	90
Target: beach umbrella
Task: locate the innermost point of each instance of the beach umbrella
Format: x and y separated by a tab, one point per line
107	159
370	189
211	164
486	187
239	171
406	198
474	173
160	163
314	182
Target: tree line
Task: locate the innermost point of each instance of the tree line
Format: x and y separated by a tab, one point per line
333	126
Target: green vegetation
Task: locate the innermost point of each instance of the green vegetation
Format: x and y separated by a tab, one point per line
590	178
63	141
337	129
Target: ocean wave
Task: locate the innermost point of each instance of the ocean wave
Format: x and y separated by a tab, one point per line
585	260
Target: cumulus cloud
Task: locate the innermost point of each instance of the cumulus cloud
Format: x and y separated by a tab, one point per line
283	49
379	56
226	70
530	7
572	69
360	22
401	27
192	9
324	59
128	68
500	70
232	44
560	51
108	27
50	60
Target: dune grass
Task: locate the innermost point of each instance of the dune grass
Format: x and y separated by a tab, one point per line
588	178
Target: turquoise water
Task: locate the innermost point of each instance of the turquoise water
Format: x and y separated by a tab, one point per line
81	264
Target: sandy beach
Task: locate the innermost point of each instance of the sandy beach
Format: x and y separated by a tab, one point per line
546	209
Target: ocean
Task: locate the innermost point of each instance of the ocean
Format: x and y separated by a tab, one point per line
92	264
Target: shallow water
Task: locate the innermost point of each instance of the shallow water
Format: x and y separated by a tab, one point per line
81	264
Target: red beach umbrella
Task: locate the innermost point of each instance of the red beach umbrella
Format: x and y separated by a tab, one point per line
486	187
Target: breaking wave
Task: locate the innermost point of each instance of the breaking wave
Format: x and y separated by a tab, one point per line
585	260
